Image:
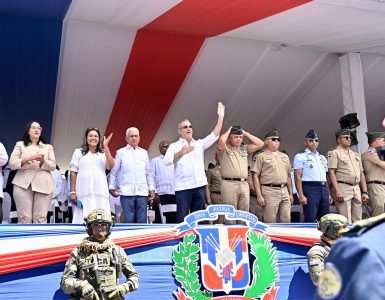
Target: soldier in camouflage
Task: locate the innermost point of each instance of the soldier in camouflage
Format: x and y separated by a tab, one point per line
331	226
93	269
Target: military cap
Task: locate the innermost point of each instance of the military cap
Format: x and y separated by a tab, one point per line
272	134
332	225
375	135
237	130
342	132
311	134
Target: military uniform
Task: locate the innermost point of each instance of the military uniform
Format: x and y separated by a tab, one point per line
355	267
234	188
331	226
375	178
348	168
254	208
108	259
316	258
95	266
273	169
214	179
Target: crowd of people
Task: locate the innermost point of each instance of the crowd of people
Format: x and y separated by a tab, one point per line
250	173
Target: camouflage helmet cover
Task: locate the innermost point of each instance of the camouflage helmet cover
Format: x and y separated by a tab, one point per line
98	216
332	224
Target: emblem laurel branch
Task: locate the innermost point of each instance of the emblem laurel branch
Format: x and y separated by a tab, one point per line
265	269
186	267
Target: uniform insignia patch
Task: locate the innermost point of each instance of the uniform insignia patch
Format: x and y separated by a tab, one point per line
314	261
373	152
329	284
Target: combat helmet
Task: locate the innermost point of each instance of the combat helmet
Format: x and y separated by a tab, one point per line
332	225
98	216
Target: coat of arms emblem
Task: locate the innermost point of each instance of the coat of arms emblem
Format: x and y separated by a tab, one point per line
225	262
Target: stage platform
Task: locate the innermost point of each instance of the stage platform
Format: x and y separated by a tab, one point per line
32	258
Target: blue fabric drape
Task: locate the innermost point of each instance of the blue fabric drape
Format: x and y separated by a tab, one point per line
30	37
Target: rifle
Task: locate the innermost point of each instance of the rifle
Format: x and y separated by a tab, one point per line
93	277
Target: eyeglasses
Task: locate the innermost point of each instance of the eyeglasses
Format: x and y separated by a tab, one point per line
103	226
313	140
346	137
186	126
276	139
36	128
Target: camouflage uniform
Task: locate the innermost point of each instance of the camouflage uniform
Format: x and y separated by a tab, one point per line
101	261
331	225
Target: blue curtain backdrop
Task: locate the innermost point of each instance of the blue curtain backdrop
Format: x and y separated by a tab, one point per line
30	37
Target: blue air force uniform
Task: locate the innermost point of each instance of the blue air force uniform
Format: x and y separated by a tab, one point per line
355	267
314	167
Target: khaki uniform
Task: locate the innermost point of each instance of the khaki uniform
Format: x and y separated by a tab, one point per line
316	258
375	178
254	208
109	259
234	164
214	179
348	171
274	169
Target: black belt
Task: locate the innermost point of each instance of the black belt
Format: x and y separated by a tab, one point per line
348	183
377	182
276	185
215	192
314	183
234	179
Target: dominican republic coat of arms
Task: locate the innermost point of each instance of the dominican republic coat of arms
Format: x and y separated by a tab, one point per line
225	262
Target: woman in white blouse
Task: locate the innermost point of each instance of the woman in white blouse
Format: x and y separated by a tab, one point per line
88	180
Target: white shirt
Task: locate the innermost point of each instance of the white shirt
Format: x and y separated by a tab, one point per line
314	165
3	161
189	170
59	183
131	175
163	176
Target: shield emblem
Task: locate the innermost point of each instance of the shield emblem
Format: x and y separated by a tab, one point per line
224	257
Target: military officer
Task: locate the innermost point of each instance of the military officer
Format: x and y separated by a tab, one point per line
214	183
331	226
346	177
233	157
94	267
374	169
272	181
310	168
355	267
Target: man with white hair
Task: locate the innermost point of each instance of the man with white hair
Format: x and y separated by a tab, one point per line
187	155
131	179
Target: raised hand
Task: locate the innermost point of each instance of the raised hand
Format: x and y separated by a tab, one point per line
106	141
221	109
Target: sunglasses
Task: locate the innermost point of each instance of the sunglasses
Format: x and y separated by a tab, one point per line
276	139
92	128
346	137
186	126
313	140
166	146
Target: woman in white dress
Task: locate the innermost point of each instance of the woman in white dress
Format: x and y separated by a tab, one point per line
88	180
